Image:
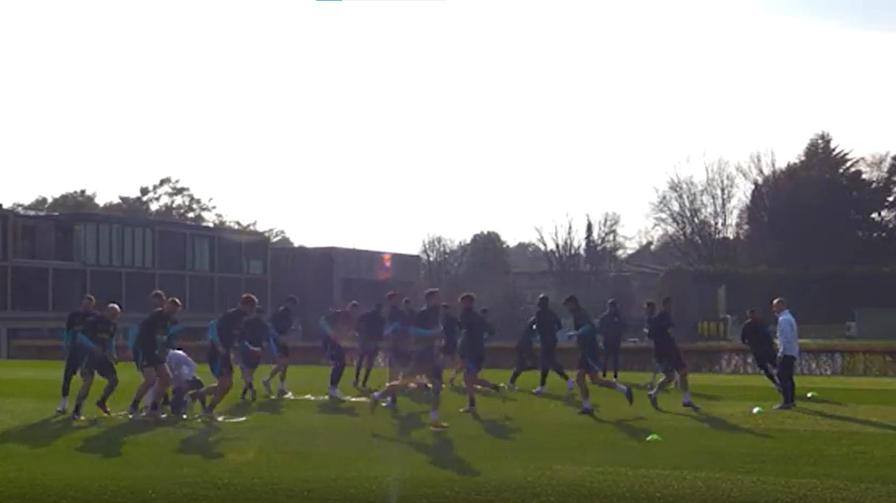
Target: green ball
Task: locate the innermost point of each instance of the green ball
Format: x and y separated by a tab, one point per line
653	437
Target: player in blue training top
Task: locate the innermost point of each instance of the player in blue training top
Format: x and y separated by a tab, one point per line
589	366
74	357
97	340
282	322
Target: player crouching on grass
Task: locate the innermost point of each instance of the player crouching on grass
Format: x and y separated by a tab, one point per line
255	331
668	356
586	339
185	385
98	343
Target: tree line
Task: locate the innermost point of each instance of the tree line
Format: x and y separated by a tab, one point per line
167	199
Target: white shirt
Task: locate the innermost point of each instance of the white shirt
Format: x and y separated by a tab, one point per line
788	335
181	366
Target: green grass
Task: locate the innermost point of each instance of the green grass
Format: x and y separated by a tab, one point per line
838	448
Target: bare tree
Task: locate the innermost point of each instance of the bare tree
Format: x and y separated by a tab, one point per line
603	243
442	259
698	216
562	249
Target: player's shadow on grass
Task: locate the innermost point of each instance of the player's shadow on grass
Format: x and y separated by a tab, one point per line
502	429
109	442
202	442
569	399
39	434
408	423
273	406
870	423
336	408
717	423
635	432
441	453
239	409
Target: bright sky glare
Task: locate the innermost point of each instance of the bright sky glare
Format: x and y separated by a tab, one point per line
371	124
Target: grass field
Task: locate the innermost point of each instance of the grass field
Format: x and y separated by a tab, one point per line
840	447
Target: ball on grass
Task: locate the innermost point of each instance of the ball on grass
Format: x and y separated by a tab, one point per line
653	437
758	410
810	395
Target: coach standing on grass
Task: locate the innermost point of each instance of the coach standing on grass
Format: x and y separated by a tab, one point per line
788	352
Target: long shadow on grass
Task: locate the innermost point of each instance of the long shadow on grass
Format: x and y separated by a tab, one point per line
502	429
110	441
870	423
239	409
273	406
408	423
717	423
202	442
441	453
335	408
634	432
39	434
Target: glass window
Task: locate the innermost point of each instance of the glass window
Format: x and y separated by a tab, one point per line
116	245
104	244
89	244
147	248
138	247
200	258
128	246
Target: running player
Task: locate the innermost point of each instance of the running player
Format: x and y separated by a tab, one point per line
152	333
586	340
425	331
546	323
282	322
611	326
223	335
668	356
399	343
526	359
451	328
371	327
474	329
756	335
251	343
98	341
74	357
337	328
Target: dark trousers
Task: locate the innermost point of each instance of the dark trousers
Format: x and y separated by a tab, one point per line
73	361
337	363
524	361
549	362
366	359
611	355
785	377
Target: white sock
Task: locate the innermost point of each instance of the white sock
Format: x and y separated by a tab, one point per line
64	403
433	415
586	403
687	396
282	386
620	388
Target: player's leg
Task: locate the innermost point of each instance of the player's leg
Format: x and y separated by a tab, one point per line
73	360
788	385
667	380
163	382
435	379
87	374
582	382
369	363
616	349
337	368
149	380
108	372
603	382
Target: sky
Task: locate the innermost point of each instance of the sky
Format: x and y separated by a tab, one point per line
374	123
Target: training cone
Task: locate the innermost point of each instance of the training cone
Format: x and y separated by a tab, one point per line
758	410
653	437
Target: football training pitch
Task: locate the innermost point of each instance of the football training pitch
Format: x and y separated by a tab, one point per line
839	446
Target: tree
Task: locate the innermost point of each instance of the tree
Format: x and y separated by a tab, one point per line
486	256
698	216
603	244
820	210
525	256
75	201
441	259
562	249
